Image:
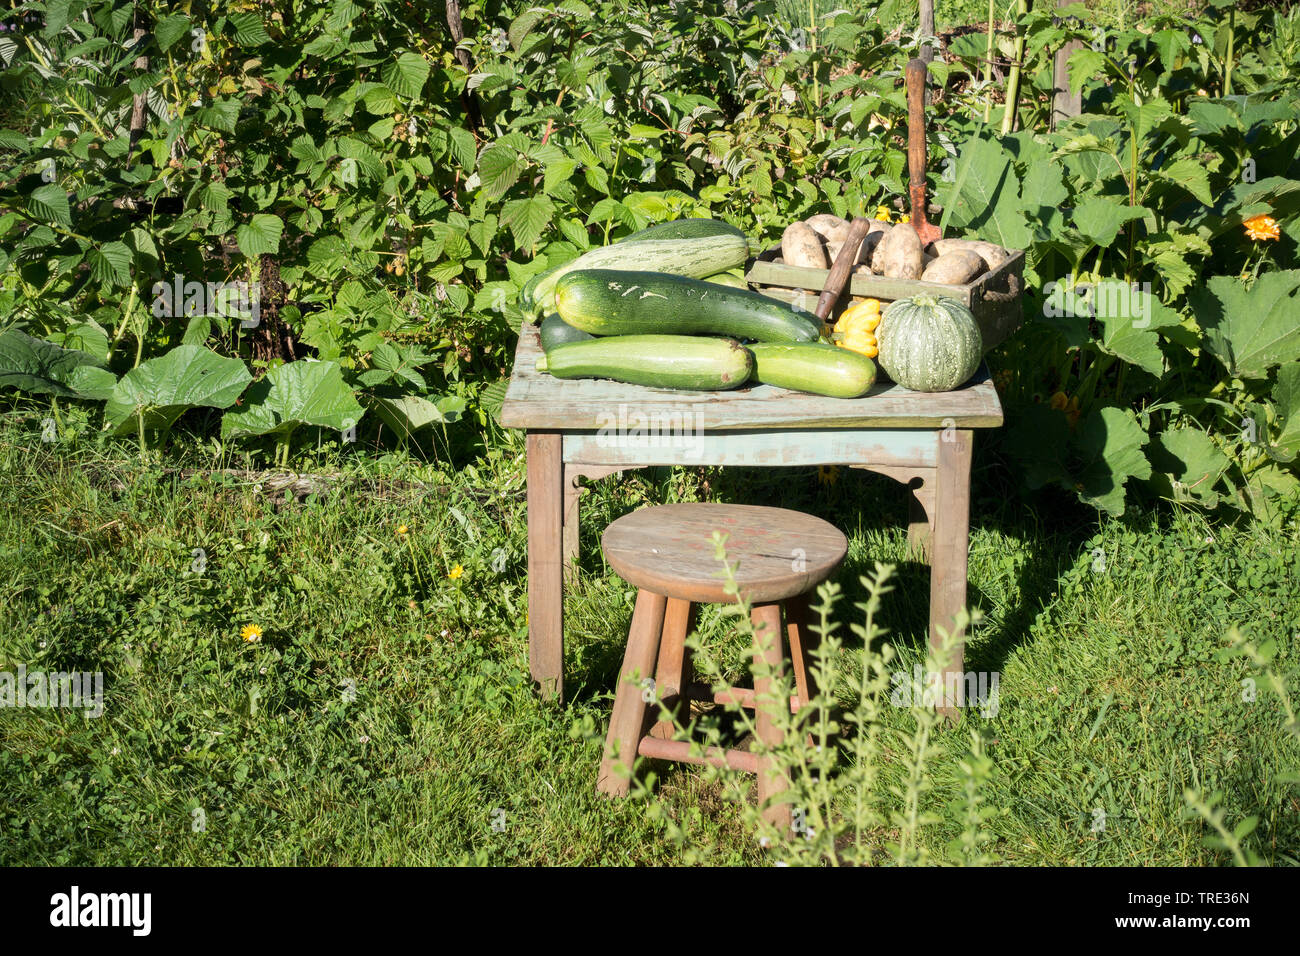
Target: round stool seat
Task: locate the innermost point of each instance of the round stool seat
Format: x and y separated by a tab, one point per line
669	550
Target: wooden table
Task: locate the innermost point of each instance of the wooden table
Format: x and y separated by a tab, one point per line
589	428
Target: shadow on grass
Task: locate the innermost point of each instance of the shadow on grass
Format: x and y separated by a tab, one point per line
1049	529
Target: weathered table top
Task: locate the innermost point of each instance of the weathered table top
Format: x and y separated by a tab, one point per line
539	401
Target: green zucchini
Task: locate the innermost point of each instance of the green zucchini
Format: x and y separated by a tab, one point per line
728	279
703	256
662	361
685	229
609	302
813	367
555	331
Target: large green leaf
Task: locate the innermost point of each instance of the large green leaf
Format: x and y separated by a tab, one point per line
1188	465
1251	331
299	393
34	365
159	391
1286	403
407	414
1109	443
1129	318
1100	218
986	197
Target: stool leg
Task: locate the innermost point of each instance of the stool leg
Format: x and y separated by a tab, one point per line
766	619
628	720
673	677
802	643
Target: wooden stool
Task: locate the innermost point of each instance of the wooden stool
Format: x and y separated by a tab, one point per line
667	552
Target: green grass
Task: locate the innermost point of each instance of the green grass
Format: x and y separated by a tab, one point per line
1113	693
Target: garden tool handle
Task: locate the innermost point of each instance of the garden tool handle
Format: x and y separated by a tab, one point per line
842	266
916	148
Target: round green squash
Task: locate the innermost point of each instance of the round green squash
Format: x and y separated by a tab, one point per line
929	343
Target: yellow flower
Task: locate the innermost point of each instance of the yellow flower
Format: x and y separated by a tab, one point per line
1262	227
401	530
456	572
251	633
882	213
827	474
904	218
1060	401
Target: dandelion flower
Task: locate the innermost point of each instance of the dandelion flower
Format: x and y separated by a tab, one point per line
251	633
1262	227
827	474
456	572
882	213
402	530
904	218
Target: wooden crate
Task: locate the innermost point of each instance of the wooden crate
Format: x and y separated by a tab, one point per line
993	297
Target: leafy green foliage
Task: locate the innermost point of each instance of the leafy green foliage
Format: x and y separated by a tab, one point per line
150	397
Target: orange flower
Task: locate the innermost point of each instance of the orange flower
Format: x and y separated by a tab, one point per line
1262	227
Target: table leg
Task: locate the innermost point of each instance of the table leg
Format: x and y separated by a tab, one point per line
572	495
918	523
546	562
949	548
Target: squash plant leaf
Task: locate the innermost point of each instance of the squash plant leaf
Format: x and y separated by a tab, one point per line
1286	404
157	392
1109	443
407	414
989	202
1129	318
1188	465
34	365
1100	218
300	393
1252	331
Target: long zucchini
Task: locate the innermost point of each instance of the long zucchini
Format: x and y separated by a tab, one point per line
698	257
555	331
662	361
609	302
729	279
685	229
813	367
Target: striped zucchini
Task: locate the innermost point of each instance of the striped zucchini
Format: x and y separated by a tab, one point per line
661	361
813	367
702	256
555	331
685	229
609	302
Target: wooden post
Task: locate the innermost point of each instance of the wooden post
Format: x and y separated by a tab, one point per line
927	27
950	545
546	562
1064	103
